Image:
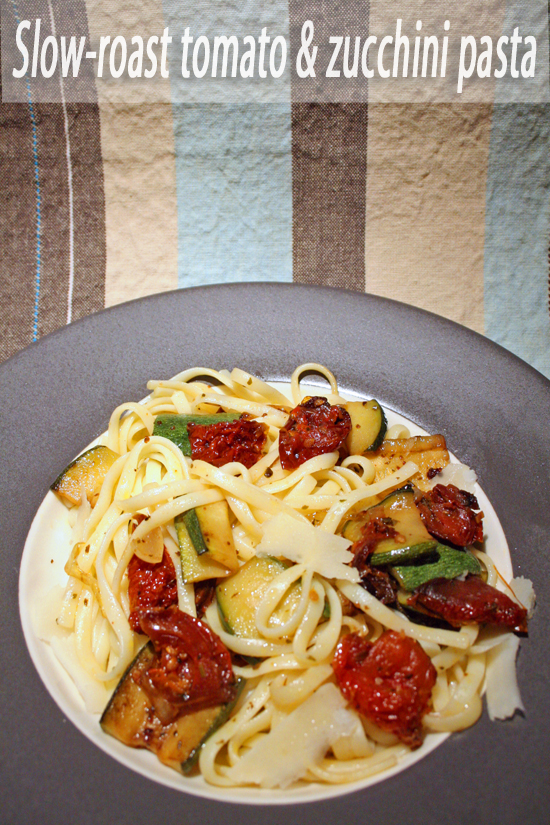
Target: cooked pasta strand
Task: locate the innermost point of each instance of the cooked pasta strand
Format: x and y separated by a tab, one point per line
290	649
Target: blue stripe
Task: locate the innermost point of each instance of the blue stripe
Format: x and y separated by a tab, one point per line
38	198
234	192
517	227
233	161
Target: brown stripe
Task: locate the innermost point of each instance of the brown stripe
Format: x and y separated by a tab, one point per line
329	169
52	165
17	228
18	217
329	151
89	209
88	215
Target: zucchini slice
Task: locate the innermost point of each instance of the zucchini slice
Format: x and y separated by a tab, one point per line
123	717
192	525
195	567
85	474
429	452
239	596
449	564
398	510
401	555
368	426
174	426
209	529
129	718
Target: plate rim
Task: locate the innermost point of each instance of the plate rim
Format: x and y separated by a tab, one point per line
276	285
380	801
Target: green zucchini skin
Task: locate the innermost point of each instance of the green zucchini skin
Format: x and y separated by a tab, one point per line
380	422
398	509
128	717
190	763
126	697
205	534
191	521
413	557
450	564
195	567
399	555
368	426
85	473
143	657
173	426
239	595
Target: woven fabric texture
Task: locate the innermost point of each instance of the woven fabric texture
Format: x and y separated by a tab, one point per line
445	206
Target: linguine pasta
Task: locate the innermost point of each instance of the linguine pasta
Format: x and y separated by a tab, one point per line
291	722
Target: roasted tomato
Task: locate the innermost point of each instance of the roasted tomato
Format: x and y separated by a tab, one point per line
218	444
379	583
448	514
376	581
191	668
471	601
204	595
389	681
313	428
372	532
151	586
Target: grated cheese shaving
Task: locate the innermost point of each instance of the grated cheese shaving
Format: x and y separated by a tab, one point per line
503	697
301	739
524	592
458	474
321	552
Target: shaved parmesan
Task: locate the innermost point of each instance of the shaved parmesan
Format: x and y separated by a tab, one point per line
301	739
524	592
503	697
489	638
354	745
303	543
458	474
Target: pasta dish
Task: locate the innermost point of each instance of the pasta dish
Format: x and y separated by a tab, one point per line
270	591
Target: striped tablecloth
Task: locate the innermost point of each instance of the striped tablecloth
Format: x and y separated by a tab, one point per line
444	205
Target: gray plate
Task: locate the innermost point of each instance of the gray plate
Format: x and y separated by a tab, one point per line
495	412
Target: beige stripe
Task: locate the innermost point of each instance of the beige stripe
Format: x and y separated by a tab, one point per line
137	145
427	171
425	215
